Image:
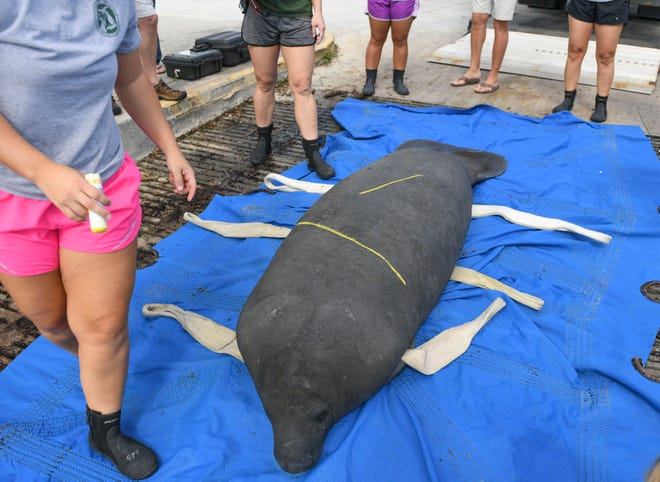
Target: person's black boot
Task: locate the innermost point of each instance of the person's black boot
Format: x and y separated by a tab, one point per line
133	459
116	108
369	88
263	149
399	86
315	161
567	103
600	111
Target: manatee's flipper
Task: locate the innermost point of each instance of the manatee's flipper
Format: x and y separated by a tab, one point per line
210	334
539	222
448	345
474	278
481	164
239	230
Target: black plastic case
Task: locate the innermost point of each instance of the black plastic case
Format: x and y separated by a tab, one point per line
234	49
193	64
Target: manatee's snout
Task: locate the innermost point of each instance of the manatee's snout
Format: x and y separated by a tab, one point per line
299	443
297	456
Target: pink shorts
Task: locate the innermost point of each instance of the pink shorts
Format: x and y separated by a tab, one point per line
392	9
32	231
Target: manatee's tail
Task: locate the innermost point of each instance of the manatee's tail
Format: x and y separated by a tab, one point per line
481	164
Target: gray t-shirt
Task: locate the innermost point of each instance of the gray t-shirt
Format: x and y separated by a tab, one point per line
58	70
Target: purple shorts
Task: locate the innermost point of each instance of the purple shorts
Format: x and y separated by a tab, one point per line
33	230
392	10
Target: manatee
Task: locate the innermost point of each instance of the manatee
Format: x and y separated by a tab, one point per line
344	295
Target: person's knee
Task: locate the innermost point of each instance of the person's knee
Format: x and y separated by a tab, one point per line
51	325
605	58
576	52
301	86
479	20
266	85
378	40
109	329
500	26
400	40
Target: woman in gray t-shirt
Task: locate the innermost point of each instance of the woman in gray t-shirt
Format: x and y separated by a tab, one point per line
61	61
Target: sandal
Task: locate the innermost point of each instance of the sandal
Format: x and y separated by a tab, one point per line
490	88
462	81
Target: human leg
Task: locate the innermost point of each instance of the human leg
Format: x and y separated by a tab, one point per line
500	43
400	30
148	27
579	33
99	289
264	62
607	39
41	298
378	36
477	39
300	67
379	30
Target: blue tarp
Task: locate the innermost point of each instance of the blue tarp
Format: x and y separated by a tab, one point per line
545	396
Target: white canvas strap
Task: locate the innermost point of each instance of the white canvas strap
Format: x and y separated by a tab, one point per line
208	333
447	346
533	221
277	182
238	230
428	358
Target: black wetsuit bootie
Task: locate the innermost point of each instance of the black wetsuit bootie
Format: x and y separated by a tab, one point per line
399	86
369	88
263	149
567	103
600	111
315	161
132	459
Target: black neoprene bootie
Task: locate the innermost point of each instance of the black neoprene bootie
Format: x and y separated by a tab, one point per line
315	161
600	111
567	103
133	459
369	88
399	86
263	149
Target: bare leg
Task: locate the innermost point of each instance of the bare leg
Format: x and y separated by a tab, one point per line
42	299
379	30
500	43
578	40
264	61
148	27
99	289
477	39
300	66
607	39
400	30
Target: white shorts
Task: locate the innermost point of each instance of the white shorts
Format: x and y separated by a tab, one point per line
144	8
499	9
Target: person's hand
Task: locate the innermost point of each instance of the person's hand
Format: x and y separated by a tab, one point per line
318	27
182	175
67	189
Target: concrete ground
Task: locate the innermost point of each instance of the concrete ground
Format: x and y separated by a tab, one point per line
439	23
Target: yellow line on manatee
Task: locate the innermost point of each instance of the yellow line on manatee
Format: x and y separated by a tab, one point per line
353	240
391	182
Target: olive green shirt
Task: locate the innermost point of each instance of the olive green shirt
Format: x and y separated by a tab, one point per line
286	8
